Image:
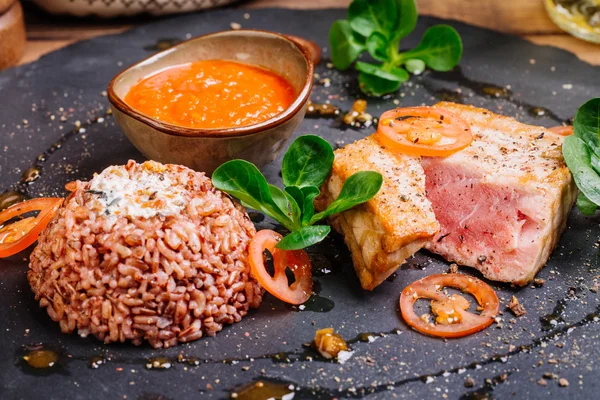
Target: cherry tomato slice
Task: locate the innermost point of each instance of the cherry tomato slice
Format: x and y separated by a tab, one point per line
562	130
466	322
19	235
423	131
296	260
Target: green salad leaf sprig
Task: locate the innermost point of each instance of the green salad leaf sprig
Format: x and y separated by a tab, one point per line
581	152
305	167
377	26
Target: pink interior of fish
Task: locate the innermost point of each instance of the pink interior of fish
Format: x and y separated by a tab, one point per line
491	226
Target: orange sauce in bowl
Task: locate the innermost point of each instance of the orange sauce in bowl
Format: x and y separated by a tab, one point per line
212	94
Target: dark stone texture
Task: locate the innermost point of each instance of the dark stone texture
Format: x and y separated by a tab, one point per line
396	365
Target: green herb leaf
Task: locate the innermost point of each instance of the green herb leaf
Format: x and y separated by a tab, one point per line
577	155
377	45
358	188
306	166
586	124
377	81
368	16
308	210
372	85
304	237
280	199
307	162
244	181
585	205
406	18
296	199
440	48
345	46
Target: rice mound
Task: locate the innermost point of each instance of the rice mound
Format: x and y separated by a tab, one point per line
164	278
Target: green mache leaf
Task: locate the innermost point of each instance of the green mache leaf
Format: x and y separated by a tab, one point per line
586	124
307	162
304	237
377	45
280	199
372	85
585	205
297	202
245	182
376	81
368	16
296	214
308	210
296	194
345	46
594	161
440	48
577	156
406	18
358	188
415	66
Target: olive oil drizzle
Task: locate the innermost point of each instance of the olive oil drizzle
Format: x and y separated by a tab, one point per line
324	393
308	354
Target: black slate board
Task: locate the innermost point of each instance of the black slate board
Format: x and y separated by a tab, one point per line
504	362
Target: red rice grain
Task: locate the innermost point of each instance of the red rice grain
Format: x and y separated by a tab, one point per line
164	279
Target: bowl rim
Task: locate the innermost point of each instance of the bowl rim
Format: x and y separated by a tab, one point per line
176	130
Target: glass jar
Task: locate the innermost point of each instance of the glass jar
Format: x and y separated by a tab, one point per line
581	18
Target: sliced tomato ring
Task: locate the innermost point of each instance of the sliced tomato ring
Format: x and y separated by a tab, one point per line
423	131
296	260
563	130
465	322
21	234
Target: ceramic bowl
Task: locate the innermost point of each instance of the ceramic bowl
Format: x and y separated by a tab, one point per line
206	149
114	8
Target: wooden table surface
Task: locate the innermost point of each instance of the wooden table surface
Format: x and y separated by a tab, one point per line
526	18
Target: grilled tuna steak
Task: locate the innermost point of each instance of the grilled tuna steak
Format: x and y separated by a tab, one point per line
503	202
394	224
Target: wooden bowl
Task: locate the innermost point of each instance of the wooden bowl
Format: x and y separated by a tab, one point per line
206	149
12	34
114	8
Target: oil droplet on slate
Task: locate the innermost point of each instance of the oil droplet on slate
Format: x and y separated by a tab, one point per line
537	111
40	358
263	390
97	361
159	363
30	175
365	337
188	360
495	91
449	95
7	199
551	320
317	303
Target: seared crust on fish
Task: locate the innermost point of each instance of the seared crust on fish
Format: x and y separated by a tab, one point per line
394	224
